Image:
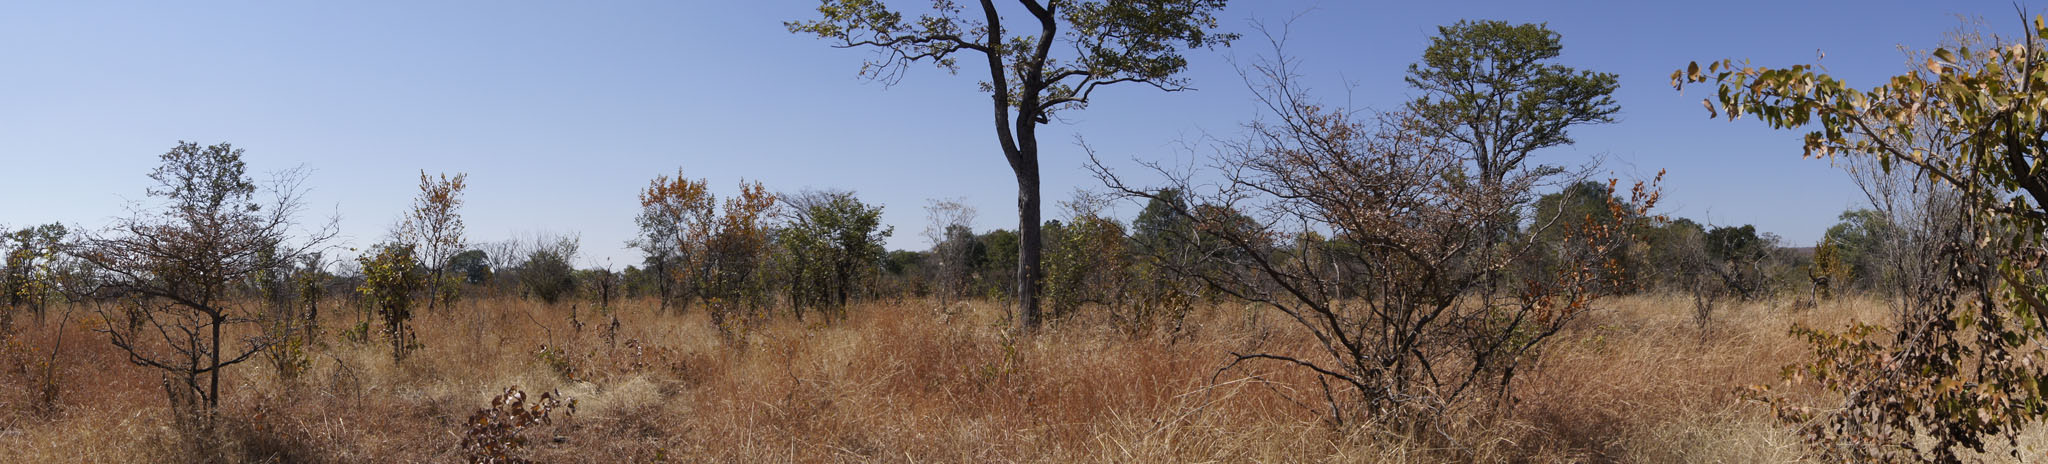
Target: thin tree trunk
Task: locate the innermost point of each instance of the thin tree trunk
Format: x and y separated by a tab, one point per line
213	372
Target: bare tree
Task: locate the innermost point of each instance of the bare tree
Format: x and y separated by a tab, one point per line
503	256
1407	249
951	234
175	266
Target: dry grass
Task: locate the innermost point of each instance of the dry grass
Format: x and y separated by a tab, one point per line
1636	381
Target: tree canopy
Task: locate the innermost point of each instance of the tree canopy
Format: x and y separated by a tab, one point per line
1492	87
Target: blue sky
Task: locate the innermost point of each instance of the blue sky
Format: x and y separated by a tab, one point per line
561	111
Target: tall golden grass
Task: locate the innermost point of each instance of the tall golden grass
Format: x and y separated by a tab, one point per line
1635	381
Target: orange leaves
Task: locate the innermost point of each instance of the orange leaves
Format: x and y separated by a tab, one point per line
707	249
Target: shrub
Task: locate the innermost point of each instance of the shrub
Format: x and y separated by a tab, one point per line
494	433
391	277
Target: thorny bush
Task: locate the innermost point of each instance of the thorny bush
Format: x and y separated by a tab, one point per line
1407	299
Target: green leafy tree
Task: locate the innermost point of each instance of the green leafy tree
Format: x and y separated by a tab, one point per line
1157	227
1828	272
1864	240
31	270
903	274
1089	263
998	263
835	242
1740	256
1493	88
1962	368
548	273
392	278
1578	206
1111	42
473	267
1674	254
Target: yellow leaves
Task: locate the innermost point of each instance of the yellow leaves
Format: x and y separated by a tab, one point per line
1938	62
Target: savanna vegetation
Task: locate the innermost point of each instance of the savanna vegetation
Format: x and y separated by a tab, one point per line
1332	283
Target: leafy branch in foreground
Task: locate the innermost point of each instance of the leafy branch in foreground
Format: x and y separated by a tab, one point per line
1966	363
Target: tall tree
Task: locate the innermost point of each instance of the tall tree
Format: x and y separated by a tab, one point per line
1491	87
1112	42
434	229
176	267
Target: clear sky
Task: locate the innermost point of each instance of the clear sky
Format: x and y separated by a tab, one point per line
561	111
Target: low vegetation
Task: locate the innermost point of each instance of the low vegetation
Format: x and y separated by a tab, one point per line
1630	380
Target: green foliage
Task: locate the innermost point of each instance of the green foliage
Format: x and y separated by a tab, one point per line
998	264
472	267
1583	202
1492	87
392	279
1862	241
1673	252
1158	230
1086	262
1112	42
1735	243
902	263
1577	207
1828	271
1742	259
289	289
31	271
204	181
1115	42
832	244
547	275
1969	119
